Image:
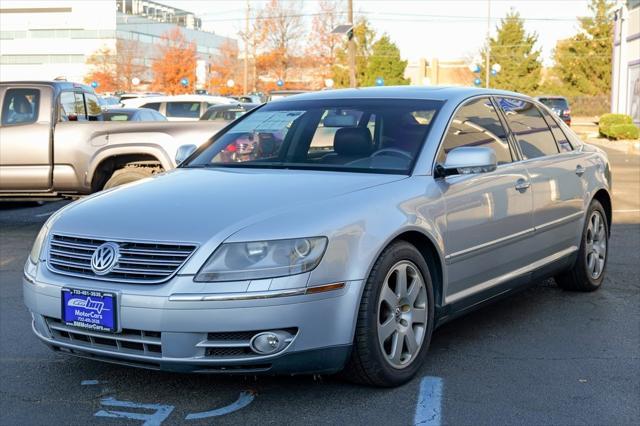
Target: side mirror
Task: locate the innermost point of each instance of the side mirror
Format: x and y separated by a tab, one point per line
184	152
469	159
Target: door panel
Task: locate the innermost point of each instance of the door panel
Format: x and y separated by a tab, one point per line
489	223
556	178
25	143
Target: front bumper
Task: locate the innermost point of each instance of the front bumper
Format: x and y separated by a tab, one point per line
209	336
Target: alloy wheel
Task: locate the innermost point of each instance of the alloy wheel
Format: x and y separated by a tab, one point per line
402	314
596	245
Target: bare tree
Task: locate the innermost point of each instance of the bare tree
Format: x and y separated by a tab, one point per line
323	45
127	63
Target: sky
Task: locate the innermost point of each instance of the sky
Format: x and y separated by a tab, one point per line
444	29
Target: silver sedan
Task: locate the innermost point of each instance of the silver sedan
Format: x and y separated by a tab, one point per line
326	231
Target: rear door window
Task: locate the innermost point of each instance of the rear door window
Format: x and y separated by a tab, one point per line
530	129
93	106
72	105
183	109
558	134
20	106
477	124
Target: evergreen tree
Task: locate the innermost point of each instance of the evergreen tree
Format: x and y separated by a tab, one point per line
583	62
385	62
514	50
364	36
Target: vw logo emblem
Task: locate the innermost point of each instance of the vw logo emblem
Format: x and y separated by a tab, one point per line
105	258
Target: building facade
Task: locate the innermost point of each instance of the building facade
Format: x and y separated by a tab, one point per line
43	40
625	81
436	72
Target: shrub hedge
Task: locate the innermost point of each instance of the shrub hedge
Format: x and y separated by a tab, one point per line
620	122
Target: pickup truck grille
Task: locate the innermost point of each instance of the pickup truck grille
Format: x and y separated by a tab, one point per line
139	262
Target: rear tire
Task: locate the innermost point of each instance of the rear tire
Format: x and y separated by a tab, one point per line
395	319
127	175
587	273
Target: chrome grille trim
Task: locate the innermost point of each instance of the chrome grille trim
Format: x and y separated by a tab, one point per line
141	262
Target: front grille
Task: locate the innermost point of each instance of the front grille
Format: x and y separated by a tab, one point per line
128	341
139	262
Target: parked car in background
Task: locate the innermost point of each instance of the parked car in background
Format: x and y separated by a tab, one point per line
427	203
227	113
134	95
250	99
133	114
179	107
559	105
54	142
107	102
277	94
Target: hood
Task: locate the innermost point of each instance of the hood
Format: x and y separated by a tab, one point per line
195	205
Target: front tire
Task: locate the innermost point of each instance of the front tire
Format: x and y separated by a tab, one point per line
395	319
587	273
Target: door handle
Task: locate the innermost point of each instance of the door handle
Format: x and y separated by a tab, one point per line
579	170
522	185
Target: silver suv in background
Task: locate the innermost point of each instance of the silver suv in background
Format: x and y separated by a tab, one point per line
54	142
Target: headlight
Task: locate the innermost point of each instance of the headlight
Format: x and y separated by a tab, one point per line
263	259
34	256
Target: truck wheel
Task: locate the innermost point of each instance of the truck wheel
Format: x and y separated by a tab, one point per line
395	319
587	273
126	175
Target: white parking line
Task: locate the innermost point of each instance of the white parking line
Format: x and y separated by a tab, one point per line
45	214
89	382
245	398
429	407
154	419
627	211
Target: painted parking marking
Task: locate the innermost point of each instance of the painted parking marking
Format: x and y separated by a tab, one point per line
245	398
45	214
89	382
429	407
161	412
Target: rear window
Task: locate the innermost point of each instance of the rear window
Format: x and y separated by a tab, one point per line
183	109
114	116
555	104
20	106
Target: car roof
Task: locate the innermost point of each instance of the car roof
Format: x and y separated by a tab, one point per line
179	98
442	93
57	84
238	105
127	110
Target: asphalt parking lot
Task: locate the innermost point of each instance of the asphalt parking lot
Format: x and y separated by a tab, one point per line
543	356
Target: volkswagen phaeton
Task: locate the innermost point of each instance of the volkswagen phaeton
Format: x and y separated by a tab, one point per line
354	223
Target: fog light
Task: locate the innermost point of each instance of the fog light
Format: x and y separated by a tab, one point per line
270	342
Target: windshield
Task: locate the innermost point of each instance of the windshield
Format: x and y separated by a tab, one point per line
555	103
375	136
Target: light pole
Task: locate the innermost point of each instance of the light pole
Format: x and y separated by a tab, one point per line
487	52
352	50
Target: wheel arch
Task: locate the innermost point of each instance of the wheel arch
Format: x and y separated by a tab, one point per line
428	247
108	164
604	198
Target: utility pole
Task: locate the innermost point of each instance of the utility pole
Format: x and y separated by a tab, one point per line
245	81
352	49
487	52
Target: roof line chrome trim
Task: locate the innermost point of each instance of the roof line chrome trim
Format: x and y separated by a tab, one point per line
509	275
256	295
